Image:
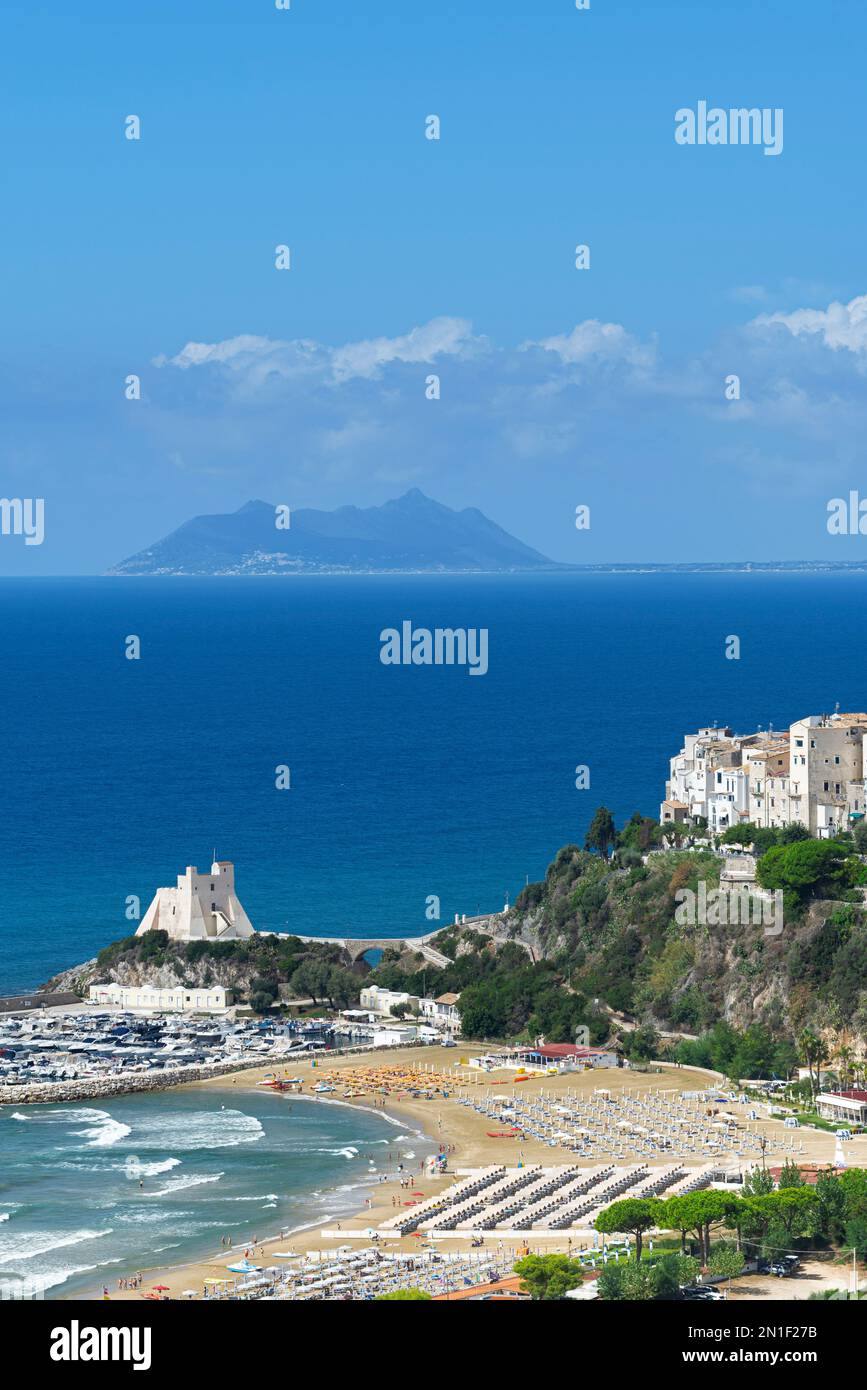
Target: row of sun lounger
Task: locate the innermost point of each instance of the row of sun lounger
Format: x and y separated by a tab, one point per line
405	1222
505	1213
463	1213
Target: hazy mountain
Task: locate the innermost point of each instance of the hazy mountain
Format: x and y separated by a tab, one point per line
409	533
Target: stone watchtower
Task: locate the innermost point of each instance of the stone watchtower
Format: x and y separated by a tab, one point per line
203	907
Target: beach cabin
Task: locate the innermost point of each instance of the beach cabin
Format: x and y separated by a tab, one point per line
843	1105
557	1057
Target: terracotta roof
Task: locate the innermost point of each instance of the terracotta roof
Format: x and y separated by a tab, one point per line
508	1287
810	1172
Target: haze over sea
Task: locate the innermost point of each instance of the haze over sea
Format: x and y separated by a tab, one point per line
406	781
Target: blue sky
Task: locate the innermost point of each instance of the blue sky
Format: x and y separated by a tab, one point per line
412	256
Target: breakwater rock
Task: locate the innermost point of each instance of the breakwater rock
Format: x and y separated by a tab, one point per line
103	1087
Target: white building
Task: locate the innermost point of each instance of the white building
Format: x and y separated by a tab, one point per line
203	907
690	771
813	775
443	1012
178	999
728	798
827	776
393	1037
382	1001
767	769
850	1106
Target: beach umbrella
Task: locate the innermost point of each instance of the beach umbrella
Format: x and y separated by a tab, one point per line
160	1288
190	1293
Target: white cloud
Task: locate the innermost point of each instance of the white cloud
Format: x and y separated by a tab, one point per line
256	358
592	340
441	336
250	358
838	326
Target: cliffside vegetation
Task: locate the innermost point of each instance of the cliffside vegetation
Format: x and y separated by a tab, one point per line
609	952
259	970
601	944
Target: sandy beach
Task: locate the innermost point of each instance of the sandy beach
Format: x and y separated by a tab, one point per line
459	1129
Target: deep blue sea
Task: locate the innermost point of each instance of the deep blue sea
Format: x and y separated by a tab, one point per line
405	781
93	1192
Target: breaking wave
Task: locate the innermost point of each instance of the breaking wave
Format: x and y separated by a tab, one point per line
103	1133
26	1247
134	1168
181	1184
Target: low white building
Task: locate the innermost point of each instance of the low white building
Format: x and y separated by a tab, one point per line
178	999
442	1012
393	1037
203	907
382	1001
547	1058
850	1106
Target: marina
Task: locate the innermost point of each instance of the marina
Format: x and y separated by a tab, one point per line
73	1053
88	1046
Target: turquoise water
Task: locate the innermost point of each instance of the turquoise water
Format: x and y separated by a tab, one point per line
90	1193
405	781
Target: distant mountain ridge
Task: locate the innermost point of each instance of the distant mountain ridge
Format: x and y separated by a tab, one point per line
410	533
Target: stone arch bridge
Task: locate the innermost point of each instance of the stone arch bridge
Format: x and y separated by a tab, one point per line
357	947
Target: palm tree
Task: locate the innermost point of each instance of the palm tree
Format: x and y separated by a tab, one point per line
813	1053
846	1058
